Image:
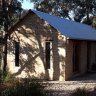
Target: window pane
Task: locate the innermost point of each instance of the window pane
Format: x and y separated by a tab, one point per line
47	55
17	53
76	55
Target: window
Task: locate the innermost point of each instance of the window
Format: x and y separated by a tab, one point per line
88	54
76	54
47	53
17	53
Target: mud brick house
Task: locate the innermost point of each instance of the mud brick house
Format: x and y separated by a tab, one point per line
48	47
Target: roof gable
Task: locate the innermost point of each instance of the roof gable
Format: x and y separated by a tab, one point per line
71	29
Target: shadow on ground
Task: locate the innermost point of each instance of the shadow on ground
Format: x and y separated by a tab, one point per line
86	78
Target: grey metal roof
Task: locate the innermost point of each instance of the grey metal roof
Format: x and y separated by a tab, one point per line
71	29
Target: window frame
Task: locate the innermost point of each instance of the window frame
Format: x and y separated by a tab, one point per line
17	49
48	54
76	57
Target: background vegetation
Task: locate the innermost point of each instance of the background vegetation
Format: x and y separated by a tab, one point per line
24	87
77	10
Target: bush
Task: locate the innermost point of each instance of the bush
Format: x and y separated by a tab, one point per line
6	76
25	88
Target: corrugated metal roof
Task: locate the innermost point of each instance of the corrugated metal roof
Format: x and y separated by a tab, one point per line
71	29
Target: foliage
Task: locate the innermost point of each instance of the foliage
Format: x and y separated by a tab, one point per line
24	88
79	8
10	11
5	76
94	22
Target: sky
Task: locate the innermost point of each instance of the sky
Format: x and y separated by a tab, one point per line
27	4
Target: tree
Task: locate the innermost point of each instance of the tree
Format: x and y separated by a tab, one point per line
10	11
94	22
80	9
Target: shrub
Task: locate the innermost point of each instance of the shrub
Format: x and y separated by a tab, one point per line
6	76
25	88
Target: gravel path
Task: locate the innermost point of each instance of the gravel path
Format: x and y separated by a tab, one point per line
57	88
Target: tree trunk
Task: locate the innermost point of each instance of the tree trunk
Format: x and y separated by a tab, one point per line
5	14
5	53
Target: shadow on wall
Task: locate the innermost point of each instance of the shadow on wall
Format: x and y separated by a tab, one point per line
32	34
